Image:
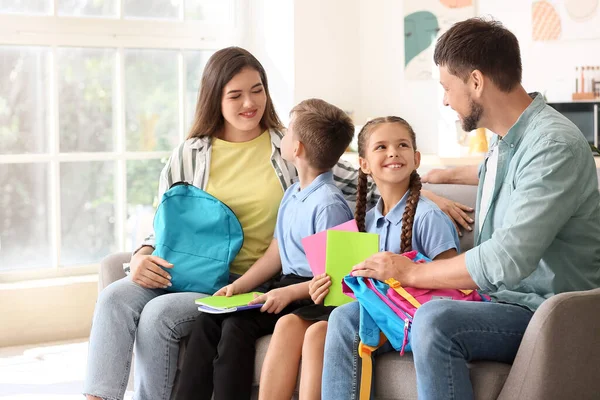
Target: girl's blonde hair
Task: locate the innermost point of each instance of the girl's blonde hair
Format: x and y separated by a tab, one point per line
414	185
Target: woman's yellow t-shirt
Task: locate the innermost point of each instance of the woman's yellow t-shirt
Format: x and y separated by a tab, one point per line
241	176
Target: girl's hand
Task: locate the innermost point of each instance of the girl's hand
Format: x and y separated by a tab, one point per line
386	265
319	287
274	301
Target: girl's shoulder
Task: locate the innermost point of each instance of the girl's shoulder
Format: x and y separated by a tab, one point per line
429	215
426	207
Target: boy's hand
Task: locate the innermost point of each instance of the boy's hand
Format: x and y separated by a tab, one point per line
319	287
274	301
228	290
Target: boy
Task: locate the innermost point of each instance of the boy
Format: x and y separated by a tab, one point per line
220	353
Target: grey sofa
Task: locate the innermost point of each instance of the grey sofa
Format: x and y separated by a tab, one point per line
559	357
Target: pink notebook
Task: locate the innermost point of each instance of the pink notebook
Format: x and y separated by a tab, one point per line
315	246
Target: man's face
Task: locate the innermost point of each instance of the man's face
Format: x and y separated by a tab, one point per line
457	95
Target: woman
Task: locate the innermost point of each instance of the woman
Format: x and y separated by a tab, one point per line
233	153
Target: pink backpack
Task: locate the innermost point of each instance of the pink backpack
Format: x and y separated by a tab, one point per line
387	311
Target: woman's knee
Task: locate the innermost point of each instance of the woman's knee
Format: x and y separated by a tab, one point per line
156	322
115	296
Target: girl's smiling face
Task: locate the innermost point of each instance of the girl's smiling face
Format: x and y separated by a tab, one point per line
390	155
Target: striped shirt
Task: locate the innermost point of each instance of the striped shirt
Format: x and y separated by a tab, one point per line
190	162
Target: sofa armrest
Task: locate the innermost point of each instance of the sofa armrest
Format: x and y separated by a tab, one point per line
111	269
559	357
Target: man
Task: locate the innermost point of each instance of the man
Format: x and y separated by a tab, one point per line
537	224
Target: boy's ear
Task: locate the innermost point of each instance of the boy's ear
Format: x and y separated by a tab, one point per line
298	148
364	166
417	159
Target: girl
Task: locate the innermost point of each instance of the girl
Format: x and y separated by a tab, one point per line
387	152
234	142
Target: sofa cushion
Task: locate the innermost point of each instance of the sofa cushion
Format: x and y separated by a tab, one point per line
395	376
464	194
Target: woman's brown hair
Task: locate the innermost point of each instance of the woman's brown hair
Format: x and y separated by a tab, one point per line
414	185
220	69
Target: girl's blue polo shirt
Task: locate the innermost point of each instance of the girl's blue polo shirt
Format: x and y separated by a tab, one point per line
433	232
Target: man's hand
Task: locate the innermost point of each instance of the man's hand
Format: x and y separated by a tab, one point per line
319	287
437	176
274	301
385	265
146	271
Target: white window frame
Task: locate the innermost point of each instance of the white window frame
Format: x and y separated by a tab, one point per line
53	31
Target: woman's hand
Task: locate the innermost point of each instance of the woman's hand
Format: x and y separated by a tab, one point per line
146	271
273	301
455	210
318	288
385	265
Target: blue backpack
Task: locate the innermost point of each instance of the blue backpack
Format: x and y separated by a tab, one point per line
199	235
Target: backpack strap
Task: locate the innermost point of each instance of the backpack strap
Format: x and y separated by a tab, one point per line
394	284
366	376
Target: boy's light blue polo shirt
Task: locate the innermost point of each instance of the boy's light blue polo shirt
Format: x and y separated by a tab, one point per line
541	235
319	206
433	232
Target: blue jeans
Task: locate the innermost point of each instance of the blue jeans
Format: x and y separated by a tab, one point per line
445	336
156	320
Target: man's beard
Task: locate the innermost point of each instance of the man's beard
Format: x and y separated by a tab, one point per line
470	121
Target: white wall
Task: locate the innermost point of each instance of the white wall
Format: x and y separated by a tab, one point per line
384	91
270	37
326	51
351	53
547	66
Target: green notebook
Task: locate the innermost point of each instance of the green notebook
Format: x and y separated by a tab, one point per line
344	251
223	304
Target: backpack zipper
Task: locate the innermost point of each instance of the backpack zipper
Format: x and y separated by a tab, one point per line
407	324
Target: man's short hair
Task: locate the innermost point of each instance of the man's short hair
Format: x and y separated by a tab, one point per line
484	45
324	130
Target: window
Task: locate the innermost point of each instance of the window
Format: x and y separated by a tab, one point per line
94	95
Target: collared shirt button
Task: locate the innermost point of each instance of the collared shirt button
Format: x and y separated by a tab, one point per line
512	145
